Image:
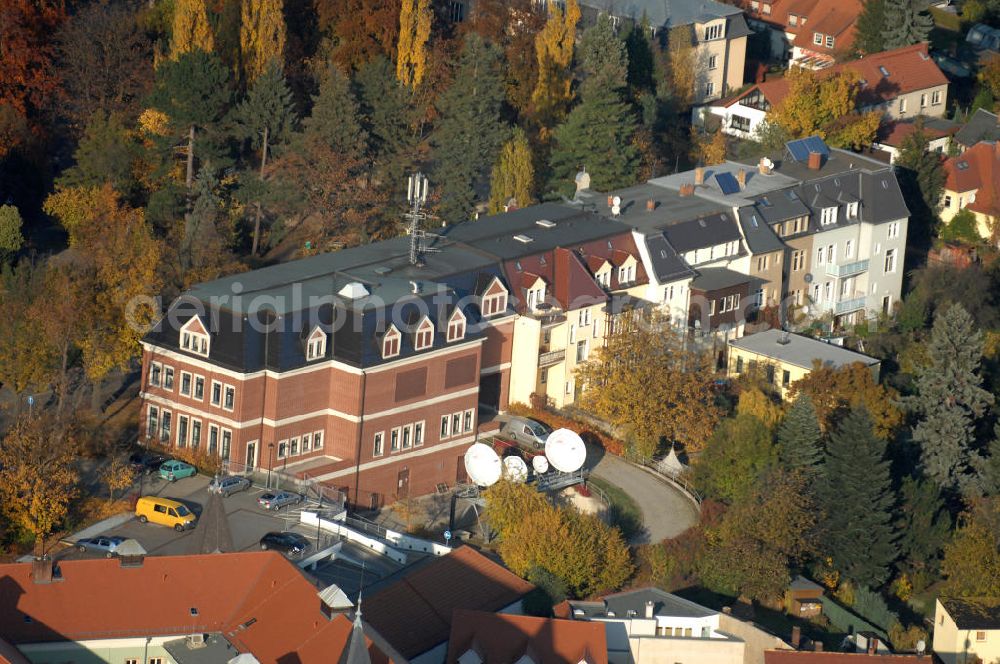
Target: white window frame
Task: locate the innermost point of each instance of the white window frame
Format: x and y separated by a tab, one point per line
194	391
468	420
378	444
392	334
817	39
456	325
494	304
211	394
852	210
317	440
293	446
195	440
445	429
218	439
168	377
316	344
419	431
306	442
423	338
166	422
152	421
936	98
889	262
829	41
394	439
190	390
893	231
828	216
194	342
155	369
710	88
226	446
182	437
849	249
283	449
713	62
225	394
902	104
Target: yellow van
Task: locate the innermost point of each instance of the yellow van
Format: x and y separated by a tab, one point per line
165	512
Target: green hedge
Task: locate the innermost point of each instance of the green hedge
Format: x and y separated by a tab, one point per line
848	622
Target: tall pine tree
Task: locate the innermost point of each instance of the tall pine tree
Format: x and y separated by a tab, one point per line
924	524
870	35
857	498
387	115
799	437
949	399
598	133
907	22
470	132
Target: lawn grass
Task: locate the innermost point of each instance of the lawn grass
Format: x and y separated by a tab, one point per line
623	511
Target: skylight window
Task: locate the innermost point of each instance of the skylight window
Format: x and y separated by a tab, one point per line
884	71
523	238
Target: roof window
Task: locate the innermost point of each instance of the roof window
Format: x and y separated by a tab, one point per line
545	223
523	238
884	71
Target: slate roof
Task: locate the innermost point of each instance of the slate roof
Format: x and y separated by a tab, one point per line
664	604
260	600
504	638
414	613
800	351
717	278
664	259
673	13
704	231
759	236
981	613
982	126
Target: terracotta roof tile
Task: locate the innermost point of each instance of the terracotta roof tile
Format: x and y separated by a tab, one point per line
414	614
156	598
977	168
504	638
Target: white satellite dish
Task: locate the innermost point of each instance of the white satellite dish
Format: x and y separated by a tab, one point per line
616	206
482	465
515	469
540	464
565	450
921	647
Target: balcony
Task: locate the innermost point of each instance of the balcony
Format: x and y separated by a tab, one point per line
847	306
847	269
550	358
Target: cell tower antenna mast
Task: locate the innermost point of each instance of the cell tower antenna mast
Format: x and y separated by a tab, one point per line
416	196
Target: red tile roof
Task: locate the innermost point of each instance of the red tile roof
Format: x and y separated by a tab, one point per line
414	613
811	657
503	639
894	133
977	168
156	598
910	69
836	19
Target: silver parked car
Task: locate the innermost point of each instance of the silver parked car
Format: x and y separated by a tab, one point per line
526	431
275	500
228	484
103	544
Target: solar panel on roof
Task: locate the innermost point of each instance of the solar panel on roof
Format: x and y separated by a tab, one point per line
727	183
800	148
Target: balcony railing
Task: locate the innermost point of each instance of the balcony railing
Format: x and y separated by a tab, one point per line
551	357
846	306
847	269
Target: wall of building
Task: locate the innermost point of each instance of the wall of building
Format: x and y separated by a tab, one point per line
876	241
795	280
755	639
769	276
912	104
741	361
100	651
527	338
667	650
955	646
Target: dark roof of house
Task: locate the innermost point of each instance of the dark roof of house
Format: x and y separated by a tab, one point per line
782	205
706	231
982	126
414	613
758	233
802	583
633	603
670	14
716	278
669	207
974	613
505	638
664	259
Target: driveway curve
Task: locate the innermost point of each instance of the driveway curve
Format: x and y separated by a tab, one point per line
666	510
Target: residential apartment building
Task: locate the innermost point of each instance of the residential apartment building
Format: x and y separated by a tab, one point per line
368	372
810	33
967	630
781	358
718	33
650	625
972	182
903	83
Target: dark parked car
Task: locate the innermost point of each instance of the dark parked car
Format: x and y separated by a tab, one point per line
289	543
275	500
146	463
106	545
228	485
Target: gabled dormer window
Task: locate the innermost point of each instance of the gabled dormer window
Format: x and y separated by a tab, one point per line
424	337
603	275
316	347
494	299
852	210
194	337
390	343
828	216
536	294
456	325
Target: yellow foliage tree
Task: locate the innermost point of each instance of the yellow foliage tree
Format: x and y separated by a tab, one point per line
835	391
971	565
554	51
262	36
709	149
508	502
71	206
753	401
513	174
649	382
191	29
38	479
118	476
681	69
823	104
411	52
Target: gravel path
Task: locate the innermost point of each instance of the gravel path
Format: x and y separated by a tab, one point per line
666	511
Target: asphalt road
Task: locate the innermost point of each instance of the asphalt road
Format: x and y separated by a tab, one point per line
666	511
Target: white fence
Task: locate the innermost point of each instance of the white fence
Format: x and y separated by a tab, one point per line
351	535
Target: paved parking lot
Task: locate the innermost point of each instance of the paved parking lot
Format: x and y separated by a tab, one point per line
247	521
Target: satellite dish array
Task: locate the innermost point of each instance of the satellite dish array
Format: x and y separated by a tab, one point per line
564	451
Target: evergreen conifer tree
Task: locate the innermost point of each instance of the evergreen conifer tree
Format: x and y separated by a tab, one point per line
386	115
856	494
335	117
906	22
514	174
598	133
799	437
949	399
470	132
870	35
924	524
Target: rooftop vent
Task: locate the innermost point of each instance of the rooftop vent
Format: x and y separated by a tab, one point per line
962	165
701	222
784	339
578	613
382	270
522	238
414	287
753	220
353	291
545	223
883	70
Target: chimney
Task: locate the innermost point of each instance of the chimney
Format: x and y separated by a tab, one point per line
764	166
687	189
650	205
611	200
818	646
872	645
796	636
649	609
728	610
42	570
699	175
815	161
741	177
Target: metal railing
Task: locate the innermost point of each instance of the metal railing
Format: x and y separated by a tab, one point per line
680	480
847	269
551	357
853	304
364	525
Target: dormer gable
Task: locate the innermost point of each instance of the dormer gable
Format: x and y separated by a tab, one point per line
535	288
194	337
391	342
493	301
602	275
423	336
316	344
456	325
628	270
